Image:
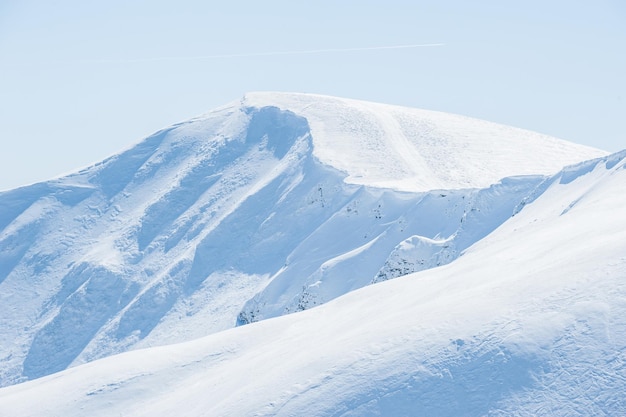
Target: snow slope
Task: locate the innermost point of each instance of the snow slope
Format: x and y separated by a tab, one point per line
266	206
529	322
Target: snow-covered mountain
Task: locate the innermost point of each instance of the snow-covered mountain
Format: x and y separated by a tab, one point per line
529	322
266	206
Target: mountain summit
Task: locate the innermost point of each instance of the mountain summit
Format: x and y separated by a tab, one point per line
419	150
269	205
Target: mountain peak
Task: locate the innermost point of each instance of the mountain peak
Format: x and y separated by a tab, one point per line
411	149
268	205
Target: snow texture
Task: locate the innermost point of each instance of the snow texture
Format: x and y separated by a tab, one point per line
269	205
529	322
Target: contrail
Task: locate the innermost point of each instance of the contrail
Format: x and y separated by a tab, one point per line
275	53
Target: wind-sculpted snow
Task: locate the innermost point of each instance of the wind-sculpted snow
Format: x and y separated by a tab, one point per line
420	150
100	294
267	206
373	223
528	322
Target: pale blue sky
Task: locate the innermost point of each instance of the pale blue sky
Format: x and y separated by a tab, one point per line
81	80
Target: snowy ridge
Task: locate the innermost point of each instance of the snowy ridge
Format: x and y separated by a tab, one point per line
530	321
420	150
263	207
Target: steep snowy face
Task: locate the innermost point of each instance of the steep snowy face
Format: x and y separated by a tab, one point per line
91	263
372	235
264	207
420	150
530	321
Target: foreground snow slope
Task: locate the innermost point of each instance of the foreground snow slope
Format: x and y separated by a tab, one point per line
530	321
266	206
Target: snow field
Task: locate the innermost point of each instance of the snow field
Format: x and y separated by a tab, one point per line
264	207
528	322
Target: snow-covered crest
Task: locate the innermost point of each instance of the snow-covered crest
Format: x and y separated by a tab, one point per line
420	150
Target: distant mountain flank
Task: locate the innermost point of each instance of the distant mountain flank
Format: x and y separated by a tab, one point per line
269	205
